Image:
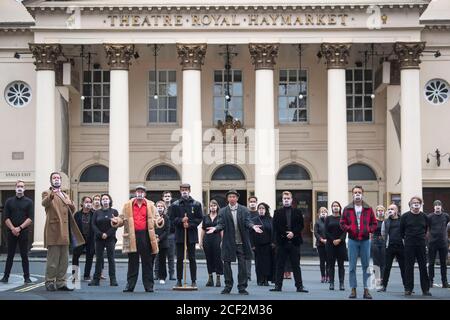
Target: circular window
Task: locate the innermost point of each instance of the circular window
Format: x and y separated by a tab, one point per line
18	94
437	91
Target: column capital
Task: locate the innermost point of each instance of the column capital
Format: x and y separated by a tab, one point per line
263	55
409	53
119	55
45	55
192	56
336	54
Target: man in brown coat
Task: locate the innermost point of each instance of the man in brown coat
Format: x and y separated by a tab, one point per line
59	223
139	219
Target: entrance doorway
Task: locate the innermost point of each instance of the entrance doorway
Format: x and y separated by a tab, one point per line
431	194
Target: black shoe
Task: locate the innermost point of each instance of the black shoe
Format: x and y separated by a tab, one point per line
178	284
128	289
366	294
194	284
87	278
426	294
64	288
149	289
445	285
331	286
226	290
408	293
352	294
50	286
302	289
113	283
341	286
155	278
277	289
94	283
243	292
27	280
210	282
4	280
382	289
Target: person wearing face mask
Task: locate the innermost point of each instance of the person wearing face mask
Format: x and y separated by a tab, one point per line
358	220
97	205
378	245
335	245
139	220
288	225
210	243
105	238
390	231
163	242
252	208
437	242
186	213
167	198
234	221
60	229
263	243
18	212
83	218
319	234
413	229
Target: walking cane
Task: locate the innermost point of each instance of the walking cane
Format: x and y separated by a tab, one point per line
185	287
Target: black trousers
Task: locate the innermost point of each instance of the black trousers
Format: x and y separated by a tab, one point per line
144	250
290	252
90	251
443	251
22	240
378	251
336	253
411	254
171	255
211	247
162	257
242	270
190	256
323	260
100	245
398	252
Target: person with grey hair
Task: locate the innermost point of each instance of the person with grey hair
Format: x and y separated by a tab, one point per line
437	242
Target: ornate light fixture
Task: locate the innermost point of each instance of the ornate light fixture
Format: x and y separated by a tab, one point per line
438	156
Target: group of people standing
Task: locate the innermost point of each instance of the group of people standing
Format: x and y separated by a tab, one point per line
384	236
232	233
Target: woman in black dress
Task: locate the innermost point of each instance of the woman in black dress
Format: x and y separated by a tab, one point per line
211	244
263	243
335	245
319	234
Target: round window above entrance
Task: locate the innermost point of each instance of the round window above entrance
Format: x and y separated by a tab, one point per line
359	171
437	91
95	173
18	94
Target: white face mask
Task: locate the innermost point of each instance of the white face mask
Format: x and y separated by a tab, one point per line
380	214
335	209
323	215
252	205
437	209
105	203
415	206
139	195
185	194
20	190
160	210
287	202
357	197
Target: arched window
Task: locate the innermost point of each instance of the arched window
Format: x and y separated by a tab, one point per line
359	171
95	173
163	173
228	172
293	172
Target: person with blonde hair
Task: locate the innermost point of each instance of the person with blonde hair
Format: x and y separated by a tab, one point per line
319	234
378	245
162	237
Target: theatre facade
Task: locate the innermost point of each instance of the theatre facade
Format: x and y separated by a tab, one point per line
308	96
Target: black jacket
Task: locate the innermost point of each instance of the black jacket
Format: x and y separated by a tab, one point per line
280	226
267	227
101	223
89	240
319	231
225	223
193	209
163	233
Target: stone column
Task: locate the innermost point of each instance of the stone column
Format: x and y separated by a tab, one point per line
192	57
336	55
263	57
45	56
119	57
411	154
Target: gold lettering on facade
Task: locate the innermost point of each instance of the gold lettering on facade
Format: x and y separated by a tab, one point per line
135	21
320	18
206	20
234	22
146	21
298	21
331	19
167	21
195	20
264	21
286	20
125	21
343	17
112	21
274	18
178	21
252	19
216	18
309	19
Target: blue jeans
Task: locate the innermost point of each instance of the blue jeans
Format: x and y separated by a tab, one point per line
362	249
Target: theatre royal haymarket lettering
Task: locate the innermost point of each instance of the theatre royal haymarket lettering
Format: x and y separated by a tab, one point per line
227	20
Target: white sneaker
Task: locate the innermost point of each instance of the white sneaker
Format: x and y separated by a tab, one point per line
162	282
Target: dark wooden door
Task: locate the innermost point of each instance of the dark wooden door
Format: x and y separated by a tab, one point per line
431	194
